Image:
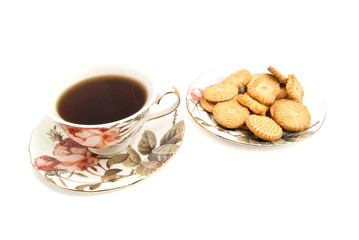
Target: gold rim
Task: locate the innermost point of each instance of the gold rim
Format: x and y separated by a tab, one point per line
109	189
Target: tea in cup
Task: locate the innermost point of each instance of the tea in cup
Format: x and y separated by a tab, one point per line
104	107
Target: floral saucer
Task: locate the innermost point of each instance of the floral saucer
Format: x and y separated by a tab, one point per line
311	100
51	151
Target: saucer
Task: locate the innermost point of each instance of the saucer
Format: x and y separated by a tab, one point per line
311	100
156	143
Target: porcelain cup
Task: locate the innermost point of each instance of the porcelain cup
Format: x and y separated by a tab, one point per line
111	138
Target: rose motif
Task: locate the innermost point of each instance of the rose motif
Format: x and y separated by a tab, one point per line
196	94
46	163
93	137
73	156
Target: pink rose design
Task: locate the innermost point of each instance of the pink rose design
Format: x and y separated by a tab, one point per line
196	94
93	137
73	156
46	163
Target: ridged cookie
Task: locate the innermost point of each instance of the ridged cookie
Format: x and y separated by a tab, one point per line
275	104
264	90
282	78
294	88
252	104
207	105
283	92
266	76
264	127
220	92
230	114
292	115
240	78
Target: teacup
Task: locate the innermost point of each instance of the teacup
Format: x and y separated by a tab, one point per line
109	138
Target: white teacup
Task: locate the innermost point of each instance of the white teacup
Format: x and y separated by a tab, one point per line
113	137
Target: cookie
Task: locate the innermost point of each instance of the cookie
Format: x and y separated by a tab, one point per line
282	78
240	78
220	92
264	90
292	115
252	104
264	127
294	88
207	105
230	114
275	104
283	92
267	76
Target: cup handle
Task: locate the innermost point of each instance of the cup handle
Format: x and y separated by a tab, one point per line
158	111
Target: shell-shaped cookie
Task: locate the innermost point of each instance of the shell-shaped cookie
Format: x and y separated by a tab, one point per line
252	104
207	105
281	77
220	92
264	127
292	115
294	88
264	90
240	78
230	114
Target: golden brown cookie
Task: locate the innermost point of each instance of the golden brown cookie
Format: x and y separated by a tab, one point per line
292	115
282	78
252	104
230	114
294	88
264	90
207	105
264	127
266	76
283	92
220	92
240	78
275	104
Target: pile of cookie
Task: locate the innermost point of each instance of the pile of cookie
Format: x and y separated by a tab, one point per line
264	103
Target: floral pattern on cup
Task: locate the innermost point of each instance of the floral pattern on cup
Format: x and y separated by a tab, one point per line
93	137
101	138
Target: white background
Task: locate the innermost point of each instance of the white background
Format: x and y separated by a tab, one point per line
211	188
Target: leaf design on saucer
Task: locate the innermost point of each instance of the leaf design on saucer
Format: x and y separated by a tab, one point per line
166	149
133	159
120	158
111	175
82	187
147	143
94	186
159	157
173	135
147	168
